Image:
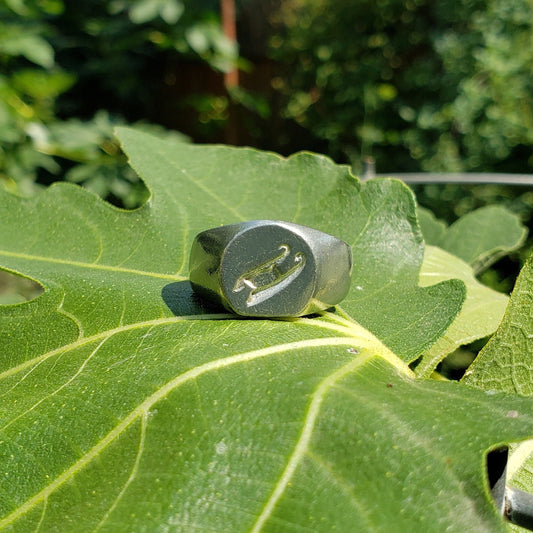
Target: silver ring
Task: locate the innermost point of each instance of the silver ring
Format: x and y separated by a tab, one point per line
270	268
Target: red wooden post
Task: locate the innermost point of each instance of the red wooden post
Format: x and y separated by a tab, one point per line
229	27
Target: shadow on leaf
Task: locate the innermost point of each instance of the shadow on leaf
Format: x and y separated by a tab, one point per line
183	301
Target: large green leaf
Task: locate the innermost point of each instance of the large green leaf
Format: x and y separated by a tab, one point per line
480	237
433	229
130	405
480	315
506	364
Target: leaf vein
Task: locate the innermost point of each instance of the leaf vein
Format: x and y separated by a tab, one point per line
354	330
345	487
133	473
93	266
48	396
204	189
304	439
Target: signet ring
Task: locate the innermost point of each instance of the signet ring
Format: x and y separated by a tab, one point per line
270	268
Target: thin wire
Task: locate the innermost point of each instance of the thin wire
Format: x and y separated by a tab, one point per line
466	177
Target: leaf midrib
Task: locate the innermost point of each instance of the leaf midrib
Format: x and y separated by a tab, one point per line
342	325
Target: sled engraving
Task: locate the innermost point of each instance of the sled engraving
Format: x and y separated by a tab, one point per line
271	277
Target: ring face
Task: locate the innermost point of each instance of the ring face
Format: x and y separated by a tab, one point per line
268	268
268	271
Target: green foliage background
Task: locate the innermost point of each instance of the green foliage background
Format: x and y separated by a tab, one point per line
71	71
417	85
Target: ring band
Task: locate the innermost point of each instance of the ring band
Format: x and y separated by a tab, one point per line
270	268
